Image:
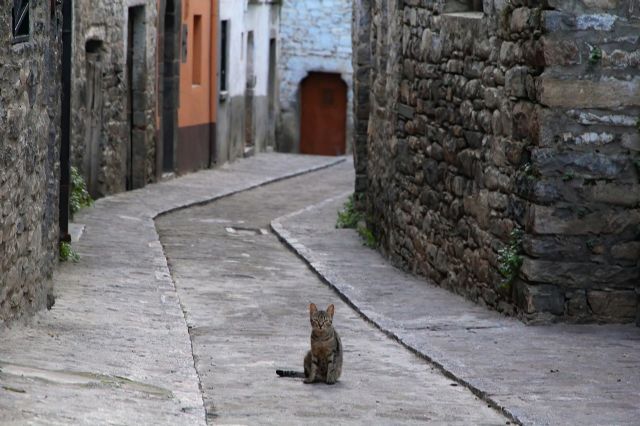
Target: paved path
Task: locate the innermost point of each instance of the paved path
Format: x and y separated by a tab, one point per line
115	347
245	296
557	375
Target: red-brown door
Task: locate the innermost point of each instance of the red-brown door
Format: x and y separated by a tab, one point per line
323	125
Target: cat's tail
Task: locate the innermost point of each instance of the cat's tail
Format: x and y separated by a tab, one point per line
289	373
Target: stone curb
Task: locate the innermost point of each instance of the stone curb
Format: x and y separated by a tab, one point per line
249	188
210	200
343	288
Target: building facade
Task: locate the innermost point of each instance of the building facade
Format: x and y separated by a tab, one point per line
500	154
247	77
30	48
114	94
316	102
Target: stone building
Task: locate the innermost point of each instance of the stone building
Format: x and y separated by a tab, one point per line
315	68
500	153
30	49
247	77
114	93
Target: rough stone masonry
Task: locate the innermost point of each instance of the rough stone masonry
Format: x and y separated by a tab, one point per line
29	153
491	117
110	154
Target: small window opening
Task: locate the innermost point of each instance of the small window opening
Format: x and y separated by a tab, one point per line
456	6
224	48
197	49
20	20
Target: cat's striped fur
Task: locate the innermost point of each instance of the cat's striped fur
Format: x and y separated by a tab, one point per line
323	363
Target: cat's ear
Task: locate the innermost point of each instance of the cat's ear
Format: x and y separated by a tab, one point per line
330	310
313	309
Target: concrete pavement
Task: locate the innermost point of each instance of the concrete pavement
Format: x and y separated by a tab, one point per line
246	296
555	375
124	345
115	347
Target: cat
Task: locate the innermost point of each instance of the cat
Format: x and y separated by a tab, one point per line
323	363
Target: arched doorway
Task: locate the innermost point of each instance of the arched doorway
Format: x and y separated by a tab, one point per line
323	121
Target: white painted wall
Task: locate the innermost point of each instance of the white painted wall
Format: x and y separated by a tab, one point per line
261	18
244	17
233	11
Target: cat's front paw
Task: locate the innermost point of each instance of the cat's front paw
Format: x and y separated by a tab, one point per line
308	381
331	381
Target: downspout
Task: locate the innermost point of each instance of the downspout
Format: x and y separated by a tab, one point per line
214	52
65	139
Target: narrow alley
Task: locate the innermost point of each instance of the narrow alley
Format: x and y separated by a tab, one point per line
245	298
181	180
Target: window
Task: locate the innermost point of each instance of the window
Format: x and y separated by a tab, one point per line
20	20
224	48
455	6
197	49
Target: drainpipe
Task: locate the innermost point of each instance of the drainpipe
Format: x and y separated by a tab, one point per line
215	92
65	139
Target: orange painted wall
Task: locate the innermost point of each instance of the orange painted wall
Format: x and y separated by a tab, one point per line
198	102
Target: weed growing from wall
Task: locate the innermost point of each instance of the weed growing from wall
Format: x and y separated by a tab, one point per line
67	253
368	236
349	216
79	197
510	259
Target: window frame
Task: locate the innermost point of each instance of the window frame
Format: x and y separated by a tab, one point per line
20	30
470	6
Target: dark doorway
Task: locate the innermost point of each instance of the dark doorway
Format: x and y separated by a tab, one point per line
323	122
170	83
136	67
94	107
271	90
249	94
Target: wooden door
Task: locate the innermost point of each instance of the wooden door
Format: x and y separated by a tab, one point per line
323	123
94	107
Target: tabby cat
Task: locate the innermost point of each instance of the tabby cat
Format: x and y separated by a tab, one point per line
323	362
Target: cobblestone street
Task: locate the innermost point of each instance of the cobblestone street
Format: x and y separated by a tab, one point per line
245	297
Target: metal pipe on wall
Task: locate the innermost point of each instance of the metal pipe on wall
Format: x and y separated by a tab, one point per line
65	137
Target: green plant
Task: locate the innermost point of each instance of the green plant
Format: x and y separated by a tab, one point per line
67	253
568	175
638	123
510	259
79	197
595	54
366	234
349	216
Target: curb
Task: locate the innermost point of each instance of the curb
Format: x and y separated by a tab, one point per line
266	181
165	265
323	272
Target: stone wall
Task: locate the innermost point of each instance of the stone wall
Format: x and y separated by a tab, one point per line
29	159
503	151
316	36
101	130
361	36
